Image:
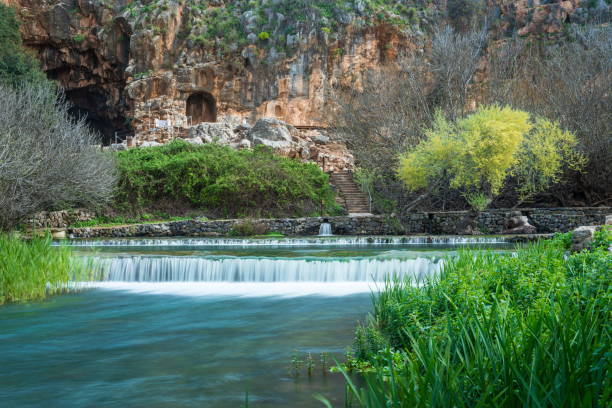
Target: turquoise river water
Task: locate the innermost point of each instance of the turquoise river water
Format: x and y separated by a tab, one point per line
204	322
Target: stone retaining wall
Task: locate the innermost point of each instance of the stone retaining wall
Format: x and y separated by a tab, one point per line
546	220
371	225
446	223
59	219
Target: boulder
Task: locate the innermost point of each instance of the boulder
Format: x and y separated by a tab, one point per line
608	219
195	140
218	132
582	237
150	144
467	225
271	132
519	224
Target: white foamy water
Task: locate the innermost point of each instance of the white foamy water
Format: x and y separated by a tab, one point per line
239	289
287	242
263	270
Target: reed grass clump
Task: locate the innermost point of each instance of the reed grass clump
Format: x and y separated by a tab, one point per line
532	329
33	270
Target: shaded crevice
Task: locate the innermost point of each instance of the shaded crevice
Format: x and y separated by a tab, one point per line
91	103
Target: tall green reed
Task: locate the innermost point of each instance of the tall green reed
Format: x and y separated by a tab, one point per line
530	330
33	270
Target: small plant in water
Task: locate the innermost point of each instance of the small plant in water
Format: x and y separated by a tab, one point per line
324	363
309	364
296	364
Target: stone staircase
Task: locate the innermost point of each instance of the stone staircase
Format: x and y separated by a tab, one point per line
350	196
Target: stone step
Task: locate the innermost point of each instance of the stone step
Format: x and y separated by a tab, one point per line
350	196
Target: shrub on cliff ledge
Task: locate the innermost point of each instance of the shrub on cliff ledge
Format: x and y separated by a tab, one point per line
222	181
16	64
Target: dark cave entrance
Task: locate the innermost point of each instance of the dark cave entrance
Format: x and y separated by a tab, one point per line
201	107
91	103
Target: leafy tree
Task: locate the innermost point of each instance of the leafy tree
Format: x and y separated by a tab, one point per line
16	64
479	153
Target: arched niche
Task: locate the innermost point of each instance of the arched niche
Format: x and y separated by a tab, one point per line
201	107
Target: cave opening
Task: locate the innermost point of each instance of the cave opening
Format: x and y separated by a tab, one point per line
201	107
91	103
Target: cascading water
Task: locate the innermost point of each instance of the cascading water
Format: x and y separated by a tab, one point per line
266	267
290	242
202	269
325	230
256	276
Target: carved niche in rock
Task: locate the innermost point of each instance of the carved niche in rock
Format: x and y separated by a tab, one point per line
201	107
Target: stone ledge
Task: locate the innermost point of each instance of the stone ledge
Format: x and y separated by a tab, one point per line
546	221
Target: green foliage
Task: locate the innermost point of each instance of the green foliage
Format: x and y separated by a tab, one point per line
248	228
223	181
223	27
477	154
79	38
478	201
32	270
494	330
16	65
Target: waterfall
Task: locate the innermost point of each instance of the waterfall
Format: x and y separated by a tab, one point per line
140	268
288	242
325	230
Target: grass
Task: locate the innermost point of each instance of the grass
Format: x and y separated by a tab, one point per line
33	270
528	330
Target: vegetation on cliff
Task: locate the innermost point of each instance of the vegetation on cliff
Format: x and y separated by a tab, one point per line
494	330
220	181
228	26
16	64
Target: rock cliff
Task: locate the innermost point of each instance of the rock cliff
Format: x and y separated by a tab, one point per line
153	67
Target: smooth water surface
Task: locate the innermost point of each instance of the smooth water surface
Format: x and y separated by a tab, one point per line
106	348
199	324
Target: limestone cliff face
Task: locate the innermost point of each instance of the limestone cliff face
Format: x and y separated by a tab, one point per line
128	63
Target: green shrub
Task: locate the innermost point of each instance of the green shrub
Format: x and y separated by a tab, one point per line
223	181
264	35
248	228
16	65
32	270
531	329
79	38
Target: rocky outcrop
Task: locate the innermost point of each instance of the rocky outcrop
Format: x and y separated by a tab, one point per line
129	64
85	47
311	145
519	224
582	237
537	16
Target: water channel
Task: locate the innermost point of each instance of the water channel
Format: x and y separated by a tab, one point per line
186	322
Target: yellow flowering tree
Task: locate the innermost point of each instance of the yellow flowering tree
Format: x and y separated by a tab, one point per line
477	154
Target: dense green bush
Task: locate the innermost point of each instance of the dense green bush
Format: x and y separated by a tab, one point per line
494	330
222	181
33	270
